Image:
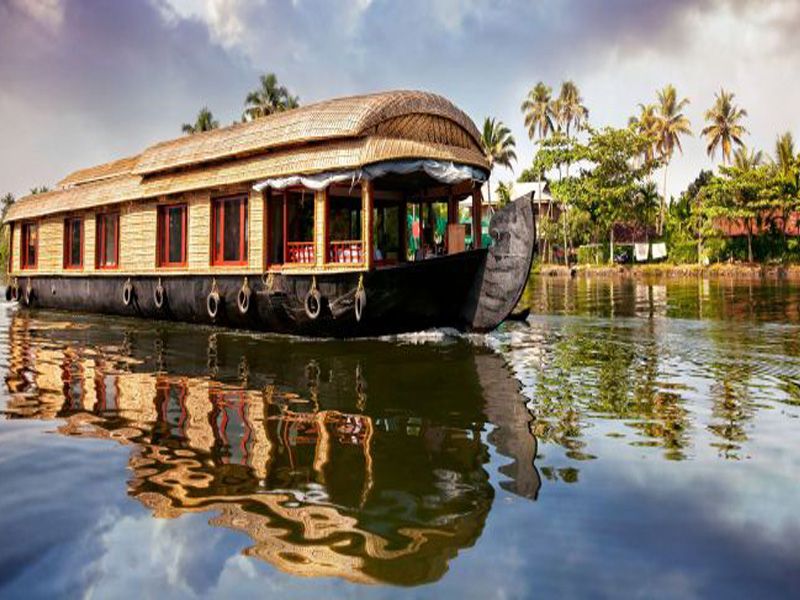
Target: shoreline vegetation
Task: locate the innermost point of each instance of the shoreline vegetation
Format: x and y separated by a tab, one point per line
602	189
741	271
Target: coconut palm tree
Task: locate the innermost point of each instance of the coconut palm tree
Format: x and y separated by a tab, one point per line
5	203
646	124
498	145
204	122
747	160
570	112
670	125
569	108
268	99
724	127
785	158
537	109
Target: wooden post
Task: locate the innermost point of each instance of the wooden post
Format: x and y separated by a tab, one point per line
320	226
477	233
366	222
403	227
452	217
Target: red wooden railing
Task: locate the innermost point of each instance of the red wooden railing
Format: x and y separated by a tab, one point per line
347	252
300	252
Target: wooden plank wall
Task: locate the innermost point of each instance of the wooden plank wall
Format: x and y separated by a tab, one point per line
89	239
199	225
16	246
137	237
255	239
138	231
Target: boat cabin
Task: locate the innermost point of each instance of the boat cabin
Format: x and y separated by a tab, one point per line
350	184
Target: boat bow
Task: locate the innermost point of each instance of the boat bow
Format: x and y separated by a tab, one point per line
500	282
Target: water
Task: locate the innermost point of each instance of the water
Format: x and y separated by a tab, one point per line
635	439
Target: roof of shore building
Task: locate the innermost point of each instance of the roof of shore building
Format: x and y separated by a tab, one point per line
343	133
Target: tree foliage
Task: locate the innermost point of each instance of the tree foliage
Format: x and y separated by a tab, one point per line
204	122
609	185
724	129
269	98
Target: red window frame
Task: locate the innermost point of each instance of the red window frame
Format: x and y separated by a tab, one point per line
69	242
162	250
25	261
218	228
101	259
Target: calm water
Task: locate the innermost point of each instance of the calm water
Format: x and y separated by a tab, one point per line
630	439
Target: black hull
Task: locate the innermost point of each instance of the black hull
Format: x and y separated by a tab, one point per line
469	291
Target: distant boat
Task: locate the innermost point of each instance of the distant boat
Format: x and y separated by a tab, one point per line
294	223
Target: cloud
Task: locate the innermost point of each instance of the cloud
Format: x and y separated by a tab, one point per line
47	13
87	81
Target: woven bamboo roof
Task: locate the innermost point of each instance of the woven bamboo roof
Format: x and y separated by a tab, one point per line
343	133
99	172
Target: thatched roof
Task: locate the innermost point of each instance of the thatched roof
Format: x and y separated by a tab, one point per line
343	133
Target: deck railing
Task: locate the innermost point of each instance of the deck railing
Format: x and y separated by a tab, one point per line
300	252
346	252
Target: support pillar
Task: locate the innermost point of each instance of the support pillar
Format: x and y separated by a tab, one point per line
367	201
477	233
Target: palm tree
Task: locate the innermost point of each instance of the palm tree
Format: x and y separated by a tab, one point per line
787	165
5	203
205	122
646	124
538	111
747	160
670	125
646	203
498	146
268	99
569	108
570	112
785	158
724	127
503	191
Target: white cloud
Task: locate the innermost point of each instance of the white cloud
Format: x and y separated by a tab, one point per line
48	13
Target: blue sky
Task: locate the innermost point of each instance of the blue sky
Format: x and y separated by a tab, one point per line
86	81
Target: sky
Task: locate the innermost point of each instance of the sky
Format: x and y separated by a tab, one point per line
86	81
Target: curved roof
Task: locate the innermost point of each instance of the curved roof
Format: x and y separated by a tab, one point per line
348	117
342	133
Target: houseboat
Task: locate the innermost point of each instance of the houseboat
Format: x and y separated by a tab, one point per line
294	223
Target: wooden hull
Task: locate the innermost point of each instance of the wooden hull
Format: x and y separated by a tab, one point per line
469	291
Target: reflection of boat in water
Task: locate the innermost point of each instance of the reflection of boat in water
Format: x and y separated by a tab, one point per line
336	460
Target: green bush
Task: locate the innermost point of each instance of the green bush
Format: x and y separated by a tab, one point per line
716	249
592	255
684	252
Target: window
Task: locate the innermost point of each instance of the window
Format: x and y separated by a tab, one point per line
290	227
172	236
229	232
344	229
386	223
108	241
30	245
73	243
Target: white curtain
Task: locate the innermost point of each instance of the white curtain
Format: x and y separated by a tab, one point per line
443	171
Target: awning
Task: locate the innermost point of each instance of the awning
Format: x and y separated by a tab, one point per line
446	172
